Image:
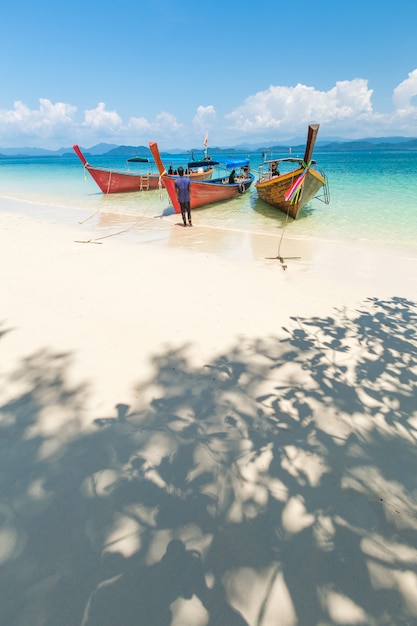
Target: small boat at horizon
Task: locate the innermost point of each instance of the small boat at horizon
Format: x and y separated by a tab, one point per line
291	190
206	192
119	181
137	159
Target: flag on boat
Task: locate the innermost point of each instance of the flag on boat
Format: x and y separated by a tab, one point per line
205	142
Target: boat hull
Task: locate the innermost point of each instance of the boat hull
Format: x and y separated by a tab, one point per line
201	193
273	190
111	181
209	192
115	181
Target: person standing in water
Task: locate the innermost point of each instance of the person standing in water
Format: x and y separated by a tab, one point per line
182	188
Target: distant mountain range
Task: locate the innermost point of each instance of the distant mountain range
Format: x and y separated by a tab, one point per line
106	149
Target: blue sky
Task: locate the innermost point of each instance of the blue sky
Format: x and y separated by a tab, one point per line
244	72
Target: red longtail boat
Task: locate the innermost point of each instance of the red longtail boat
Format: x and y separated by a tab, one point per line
118	181
203	192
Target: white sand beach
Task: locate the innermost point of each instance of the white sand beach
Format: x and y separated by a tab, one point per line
192	434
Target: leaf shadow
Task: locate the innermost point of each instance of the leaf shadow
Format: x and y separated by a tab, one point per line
273	485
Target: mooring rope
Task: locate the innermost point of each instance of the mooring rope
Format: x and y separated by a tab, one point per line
98	239
120	232
88	218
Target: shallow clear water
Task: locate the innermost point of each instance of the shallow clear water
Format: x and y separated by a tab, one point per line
372	196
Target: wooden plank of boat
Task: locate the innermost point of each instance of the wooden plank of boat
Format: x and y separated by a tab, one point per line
116	181
202	192
313	129
291	191
168	181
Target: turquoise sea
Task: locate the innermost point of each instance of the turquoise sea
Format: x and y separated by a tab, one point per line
373	197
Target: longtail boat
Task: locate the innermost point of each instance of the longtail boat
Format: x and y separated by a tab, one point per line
119	181
203	192
290	191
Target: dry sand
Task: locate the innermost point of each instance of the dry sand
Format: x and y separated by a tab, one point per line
192	434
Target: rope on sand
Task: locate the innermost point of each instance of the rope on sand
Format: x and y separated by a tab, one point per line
87	241
120	232
97	239
279	257
87	218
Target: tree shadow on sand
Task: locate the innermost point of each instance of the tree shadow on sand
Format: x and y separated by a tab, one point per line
275	485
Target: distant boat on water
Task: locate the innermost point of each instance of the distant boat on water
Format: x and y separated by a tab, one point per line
118	181
204	192
138	159
289	191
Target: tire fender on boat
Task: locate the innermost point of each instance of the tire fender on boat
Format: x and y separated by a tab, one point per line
241	187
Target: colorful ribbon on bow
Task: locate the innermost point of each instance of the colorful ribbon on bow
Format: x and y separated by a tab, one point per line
295	189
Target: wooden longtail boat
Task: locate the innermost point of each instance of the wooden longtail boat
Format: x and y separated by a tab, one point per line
202	192
117	181
290	191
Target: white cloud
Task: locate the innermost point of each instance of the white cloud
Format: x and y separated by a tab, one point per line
205	118
404	93
163	123
164	127
46	121
99	118
22	124
288	109
277	113
140	125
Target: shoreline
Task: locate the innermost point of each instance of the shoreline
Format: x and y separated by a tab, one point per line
242	269
77	215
